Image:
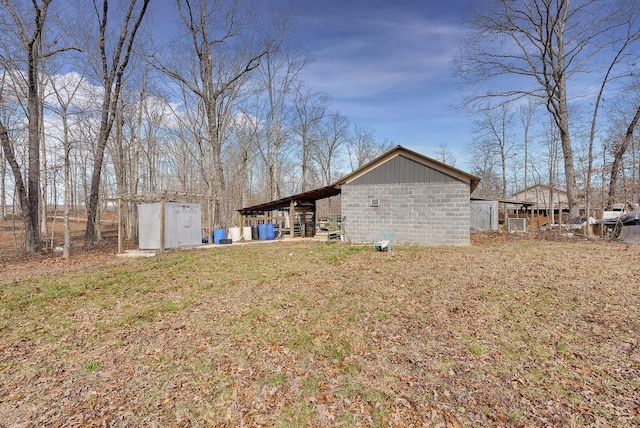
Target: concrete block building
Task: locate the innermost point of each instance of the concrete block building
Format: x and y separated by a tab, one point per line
421	200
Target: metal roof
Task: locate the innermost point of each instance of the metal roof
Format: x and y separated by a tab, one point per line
334	189
284	203
427	161
506	201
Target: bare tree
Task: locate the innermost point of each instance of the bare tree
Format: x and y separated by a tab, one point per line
30	37
3	185
362	146
632	36
112	65
134	146
65	89
249	126
3	159
618	152
28	25
525	114
444	155
278	74
494	134
540	45
552	147
483	166
189	135
334	133
220	55
242	153
309	109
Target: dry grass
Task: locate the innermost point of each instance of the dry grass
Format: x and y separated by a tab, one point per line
505	332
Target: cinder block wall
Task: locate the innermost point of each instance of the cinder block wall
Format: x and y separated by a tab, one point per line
420	213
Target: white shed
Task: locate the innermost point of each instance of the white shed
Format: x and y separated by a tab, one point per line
483	215
182	225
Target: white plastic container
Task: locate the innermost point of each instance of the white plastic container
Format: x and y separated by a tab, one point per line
246	233
234	233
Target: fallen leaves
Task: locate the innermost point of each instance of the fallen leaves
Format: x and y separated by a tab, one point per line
316	335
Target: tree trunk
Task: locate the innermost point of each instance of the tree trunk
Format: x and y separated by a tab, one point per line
44	188
112	75
219	185
105	129
305	161
67	190
33	240
32	234
569	172
3	186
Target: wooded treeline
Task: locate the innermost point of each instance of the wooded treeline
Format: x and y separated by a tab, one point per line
556	98
98	100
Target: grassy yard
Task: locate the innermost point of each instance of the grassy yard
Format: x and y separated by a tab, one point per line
505	332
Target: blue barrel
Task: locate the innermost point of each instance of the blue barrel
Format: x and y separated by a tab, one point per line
262	231
218	234
271	231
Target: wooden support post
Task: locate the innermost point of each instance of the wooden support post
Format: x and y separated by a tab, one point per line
292	217
559	218
211	207
120	226
162	230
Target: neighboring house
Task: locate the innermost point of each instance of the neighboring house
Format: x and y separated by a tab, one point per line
421	200
540	195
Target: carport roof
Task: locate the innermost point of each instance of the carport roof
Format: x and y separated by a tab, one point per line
284	203
506	201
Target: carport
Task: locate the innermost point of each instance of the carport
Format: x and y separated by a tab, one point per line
294	215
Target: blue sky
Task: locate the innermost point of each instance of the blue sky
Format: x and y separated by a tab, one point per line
389	66
386	65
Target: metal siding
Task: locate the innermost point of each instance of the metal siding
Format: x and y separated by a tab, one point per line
403	170
427	175
423	175
484	215
435	176
415	173
182	225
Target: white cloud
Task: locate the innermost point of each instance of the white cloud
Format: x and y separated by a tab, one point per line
73	89
378	54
